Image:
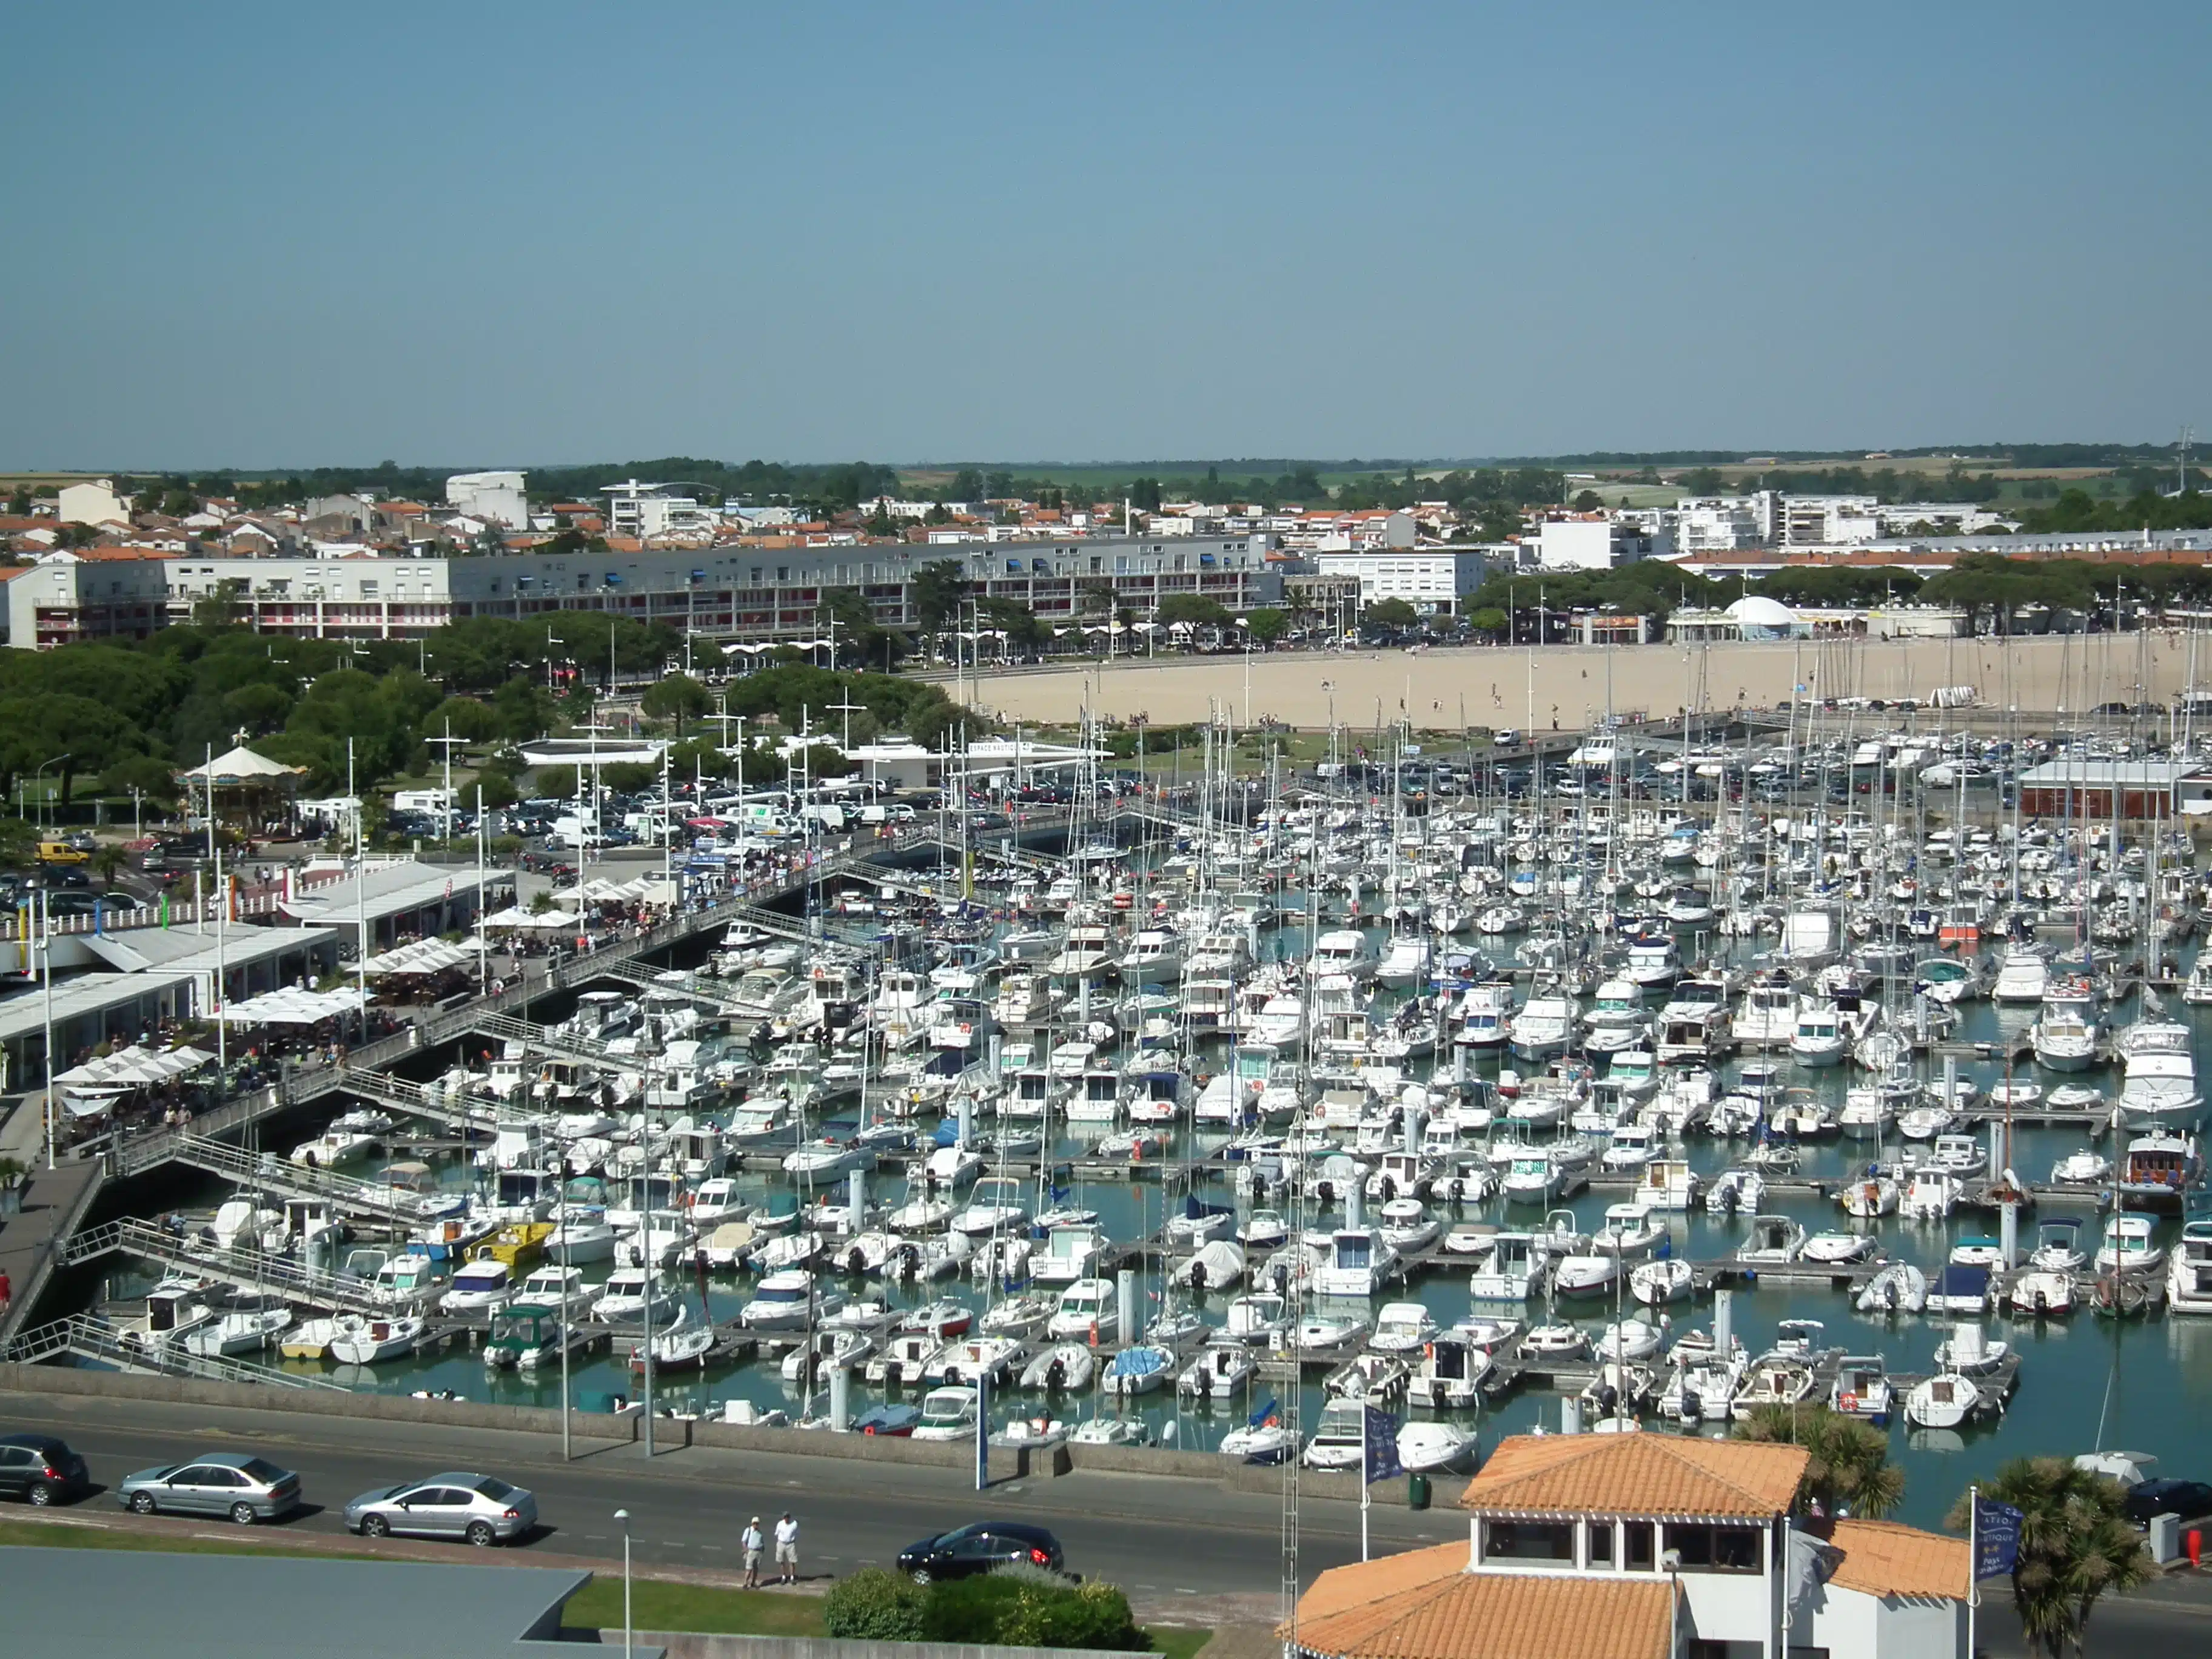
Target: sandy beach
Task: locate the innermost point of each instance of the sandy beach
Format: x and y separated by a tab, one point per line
1569	686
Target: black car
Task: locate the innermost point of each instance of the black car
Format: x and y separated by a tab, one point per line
36	1468
2187	1498
978	1547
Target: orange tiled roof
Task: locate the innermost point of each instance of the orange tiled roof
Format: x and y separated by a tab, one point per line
1657	1475
1390	1575
1882	1557
1496	1615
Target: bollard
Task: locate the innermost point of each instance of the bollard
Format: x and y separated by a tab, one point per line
1723	1322
1571	1414
1124	1302
1352	1195
1415	1121
967	1118
856	1201
840	1400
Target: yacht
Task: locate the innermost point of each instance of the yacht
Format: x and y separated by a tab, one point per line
1655	962
1358	1263
1543	1028
1768	1016
1342	951
2023	975
1694	1026
2065	1035
1405	964
1817	1038
1486	1014
2189	1270
2158	1087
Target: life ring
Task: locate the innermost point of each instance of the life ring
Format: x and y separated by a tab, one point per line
1849	1402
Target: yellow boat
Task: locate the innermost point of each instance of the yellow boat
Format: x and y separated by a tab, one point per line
520	1245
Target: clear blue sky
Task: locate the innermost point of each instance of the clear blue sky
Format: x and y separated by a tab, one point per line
294	234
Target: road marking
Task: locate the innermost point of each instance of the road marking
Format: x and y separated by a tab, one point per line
1184	1589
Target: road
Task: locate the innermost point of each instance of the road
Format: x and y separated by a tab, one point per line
1157	1537
1165	1541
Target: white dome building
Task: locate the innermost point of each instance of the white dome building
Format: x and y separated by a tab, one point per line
1758	617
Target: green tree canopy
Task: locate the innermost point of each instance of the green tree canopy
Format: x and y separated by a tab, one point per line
2075	1547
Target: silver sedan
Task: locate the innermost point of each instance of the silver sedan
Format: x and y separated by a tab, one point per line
480	1508
247	1489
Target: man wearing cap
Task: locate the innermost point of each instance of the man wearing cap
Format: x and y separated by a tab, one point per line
787	1548
749	1541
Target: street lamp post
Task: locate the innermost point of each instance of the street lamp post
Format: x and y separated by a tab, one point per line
629	1629
38	787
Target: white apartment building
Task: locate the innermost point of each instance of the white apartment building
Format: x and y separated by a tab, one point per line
1816	521
497	496
1596	541
1432	579
648	511
92	501
1721	524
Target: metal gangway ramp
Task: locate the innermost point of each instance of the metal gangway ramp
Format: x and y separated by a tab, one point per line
84	1337
245	1270
270	1173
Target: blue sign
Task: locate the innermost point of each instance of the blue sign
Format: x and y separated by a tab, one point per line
1997	1539
1379	1445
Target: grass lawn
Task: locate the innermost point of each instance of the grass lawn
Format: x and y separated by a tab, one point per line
656	1604
1180	1641
62	1535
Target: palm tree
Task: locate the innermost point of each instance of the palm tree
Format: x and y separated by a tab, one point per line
2076	1544
1849	1468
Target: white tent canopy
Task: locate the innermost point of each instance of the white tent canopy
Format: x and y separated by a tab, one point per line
241	765
428	955
293	1006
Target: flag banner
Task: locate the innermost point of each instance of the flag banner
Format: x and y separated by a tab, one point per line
1997	1538
1380	1446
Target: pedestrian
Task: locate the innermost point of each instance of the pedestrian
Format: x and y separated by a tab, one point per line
749	1541
7	1291
787	1547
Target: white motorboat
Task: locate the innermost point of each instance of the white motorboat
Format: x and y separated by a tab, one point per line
1449	1374
1899	1287
1218	1371
1427	1448
787	1300
1838	1248
1402	1327
1942	1402
479	1287
2130	1246
361	1341
2023	975
1657	1283
1066	1367
949	1413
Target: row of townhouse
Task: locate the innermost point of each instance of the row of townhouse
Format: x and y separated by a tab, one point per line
732	592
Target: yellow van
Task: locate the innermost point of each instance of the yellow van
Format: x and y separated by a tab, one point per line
60	851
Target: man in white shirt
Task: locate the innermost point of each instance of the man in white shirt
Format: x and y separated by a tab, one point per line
787	1548
749	1541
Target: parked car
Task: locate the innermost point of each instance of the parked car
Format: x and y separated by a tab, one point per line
480	1508
978	1547
40	1469
238	1485
2190	1499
